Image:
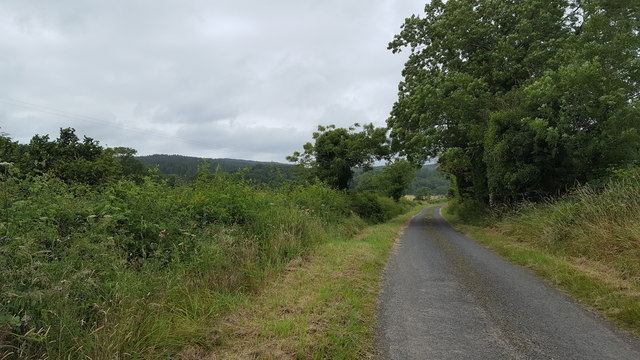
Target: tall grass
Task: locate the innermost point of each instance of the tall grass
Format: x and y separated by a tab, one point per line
140	270
599	225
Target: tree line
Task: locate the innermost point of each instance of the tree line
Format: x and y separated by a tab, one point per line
336	154
516	100
179	168
71	159
85	161
520	99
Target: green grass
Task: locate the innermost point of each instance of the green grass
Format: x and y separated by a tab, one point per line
322	308
587	244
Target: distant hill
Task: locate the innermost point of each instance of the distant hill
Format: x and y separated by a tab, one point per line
186	167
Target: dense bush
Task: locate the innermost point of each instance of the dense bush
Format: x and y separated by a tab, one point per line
101	258
376	208
102	271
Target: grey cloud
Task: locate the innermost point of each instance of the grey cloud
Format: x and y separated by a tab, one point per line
256	142
255	77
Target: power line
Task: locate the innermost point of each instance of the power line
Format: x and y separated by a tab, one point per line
94	120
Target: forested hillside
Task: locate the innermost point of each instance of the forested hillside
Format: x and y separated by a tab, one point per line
186	167
429	177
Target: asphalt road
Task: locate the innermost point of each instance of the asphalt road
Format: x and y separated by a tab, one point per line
447	297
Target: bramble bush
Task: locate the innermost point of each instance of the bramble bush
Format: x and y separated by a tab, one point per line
137	269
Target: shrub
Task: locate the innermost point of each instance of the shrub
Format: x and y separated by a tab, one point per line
93	271
375	208
322	201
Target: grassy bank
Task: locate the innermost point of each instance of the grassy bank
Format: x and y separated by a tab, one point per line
323	307
587	243
140	270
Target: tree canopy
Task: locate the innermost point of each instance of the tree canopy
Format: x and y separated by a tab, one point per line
71	159
520	99
335	152
392	180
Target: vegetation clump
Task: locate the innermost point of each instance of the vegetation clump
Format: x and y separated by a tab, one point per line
520	100
335	152
114	264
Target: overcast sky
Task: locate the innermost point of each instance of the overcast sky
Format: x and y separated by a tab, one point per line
248	79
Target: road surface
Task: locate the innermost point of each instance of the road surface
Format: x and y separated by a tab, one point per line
446	297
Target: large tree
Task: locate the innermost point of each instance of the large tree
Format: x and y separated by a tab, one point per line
392	180
519	99
335	152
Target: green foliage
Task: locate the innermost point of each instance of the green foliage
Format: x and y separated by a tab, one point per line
70	159
102	258
337	151
9	149
322	201
131	167
124	267
429	177
520	100
596	224
423	193
395	178
376	208
392	180
472	212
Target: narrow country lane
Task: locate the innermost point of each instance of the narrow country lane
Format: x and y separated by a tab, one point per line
446	297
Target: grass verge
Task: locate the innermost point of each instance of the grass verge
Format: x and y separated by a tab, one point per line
323	307
593	283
